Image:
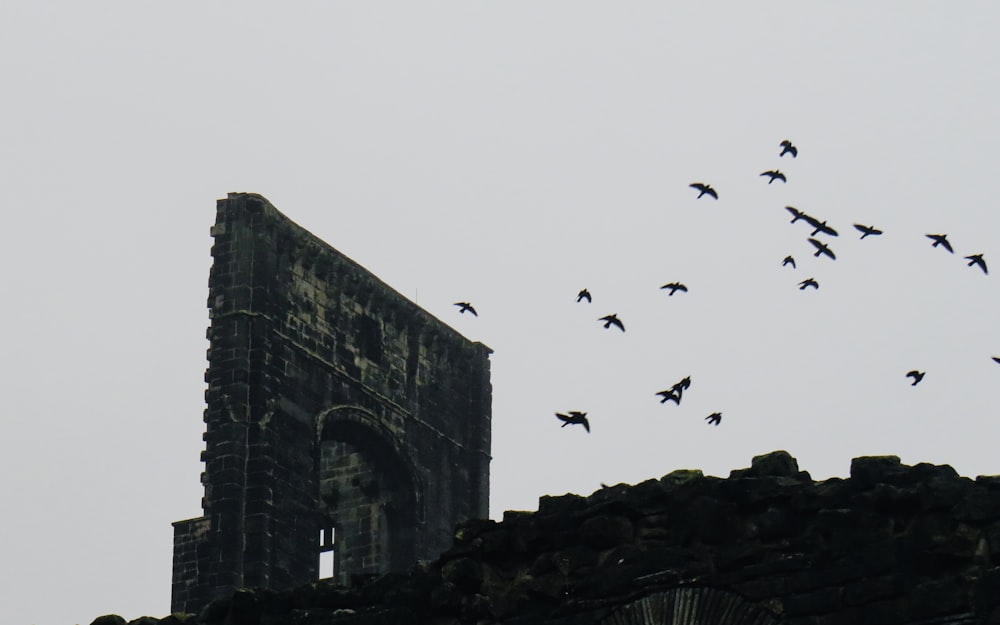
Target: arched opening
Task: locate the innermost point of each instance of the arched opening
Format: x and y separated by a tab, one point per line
691	605
369	498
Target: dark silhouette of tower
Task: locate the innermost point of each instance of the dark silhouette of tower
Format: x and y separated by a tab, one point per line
345	426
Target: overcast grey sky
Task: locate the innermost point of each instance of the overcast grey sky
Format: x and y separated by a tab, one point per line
507	154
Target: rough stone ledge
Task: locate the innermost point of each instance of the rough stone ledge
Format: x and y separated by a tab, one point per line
891	544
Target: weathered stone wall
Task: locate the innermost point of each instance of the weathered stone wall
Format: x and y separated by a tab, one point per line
893	544
333	402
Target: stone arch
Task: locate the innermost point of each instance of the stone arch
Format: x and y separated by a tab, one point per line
370	493
691	605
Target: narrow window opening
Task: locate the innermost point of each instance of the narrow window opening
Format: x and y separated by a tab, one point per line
327	553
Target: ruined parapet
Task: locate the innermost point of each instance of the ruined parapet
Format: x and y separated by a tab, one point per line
890	545
342	422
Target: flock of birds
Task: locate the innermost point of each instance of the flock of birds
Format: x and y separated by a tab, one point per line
819	227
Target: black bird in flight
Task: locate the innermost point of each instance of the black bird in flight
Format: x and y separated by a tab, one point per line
796	213
466	306
916	375
676	391
704	189
669	395
714	419
584	294
867	230
612	319
940	239
574	417
674	287
774	174
808	282
788	148
977	259
821	248
819	226
788	261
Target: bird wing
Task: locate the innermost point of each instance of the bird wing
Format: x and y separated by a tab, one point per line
795	212
670	396
822	248
941	239
564	417
812	221
977	259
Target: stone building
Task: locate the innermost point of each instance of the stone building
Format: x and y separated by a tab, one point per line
347	430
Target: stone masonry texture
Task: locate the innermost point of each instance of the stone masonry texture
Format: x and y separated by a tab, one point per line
341	419
891	544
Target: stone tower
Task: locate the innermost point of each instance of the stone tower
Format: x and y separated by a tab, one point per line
345	426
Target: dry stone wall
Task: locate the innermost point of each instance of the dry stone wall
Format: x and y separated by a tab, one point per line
891	544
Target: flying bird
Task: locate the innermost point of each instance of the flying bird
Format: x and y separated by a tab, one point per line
466	306
819	226
574	417
676	391
796	213
788	261
916	375
584	294
940	239
612	319
774	174
704	189
674	287
669	395
867	230
821	248
808	282
977	259
788	148
714	419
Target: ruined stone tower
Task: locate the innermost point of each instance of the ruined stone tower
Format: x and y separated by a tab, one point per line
345	426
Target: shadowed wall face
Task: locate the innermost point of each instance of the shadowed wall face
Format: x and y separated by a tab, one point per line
341	418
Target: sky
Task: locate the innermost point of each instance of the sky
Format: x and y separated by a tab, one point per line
507	154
